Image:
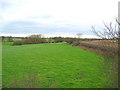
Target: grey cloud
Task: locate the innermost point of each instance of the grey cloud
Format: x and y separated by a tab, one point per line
26	27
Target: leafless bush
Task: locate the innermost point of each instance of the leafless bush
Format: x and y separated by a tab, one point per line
109	31
106	46
58	39
111	34
32	39
76	43
79	35
69	40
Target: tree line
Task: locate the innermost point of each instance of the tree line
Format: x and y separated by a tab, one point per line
39	38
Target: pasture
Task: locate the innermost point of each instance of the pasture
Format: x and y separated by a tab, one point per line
52	65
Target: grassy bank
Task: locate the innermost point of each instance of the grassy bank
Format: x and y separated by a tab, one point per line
56	65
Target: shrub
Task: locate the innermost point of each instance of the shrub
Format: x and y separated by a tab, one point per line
32	39
76	43
10	39
18	42
51	41
58	39
70	40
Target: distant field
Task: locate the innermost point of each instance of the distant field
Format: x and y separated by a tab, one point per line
7	43
55	65
16	39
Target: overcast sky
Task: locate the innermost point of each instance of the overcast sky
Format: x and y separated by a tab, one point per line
55	17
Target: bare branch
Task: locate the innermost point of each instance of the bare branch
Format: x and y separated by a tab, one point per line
110	31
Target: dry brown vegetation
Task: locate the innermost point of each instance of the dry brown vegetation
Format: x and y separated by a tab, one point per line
105	47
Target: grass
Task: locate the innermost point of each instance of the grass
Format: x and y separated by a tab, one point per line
16	39
55	65
7	43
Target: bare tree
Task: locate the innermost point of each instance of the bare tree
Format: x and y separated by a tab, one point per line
79	35
110	31
3	38
10	39
36	36
111	34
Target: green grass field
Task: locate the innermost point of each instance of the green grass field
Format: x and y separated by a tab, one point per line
7	43
55	65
